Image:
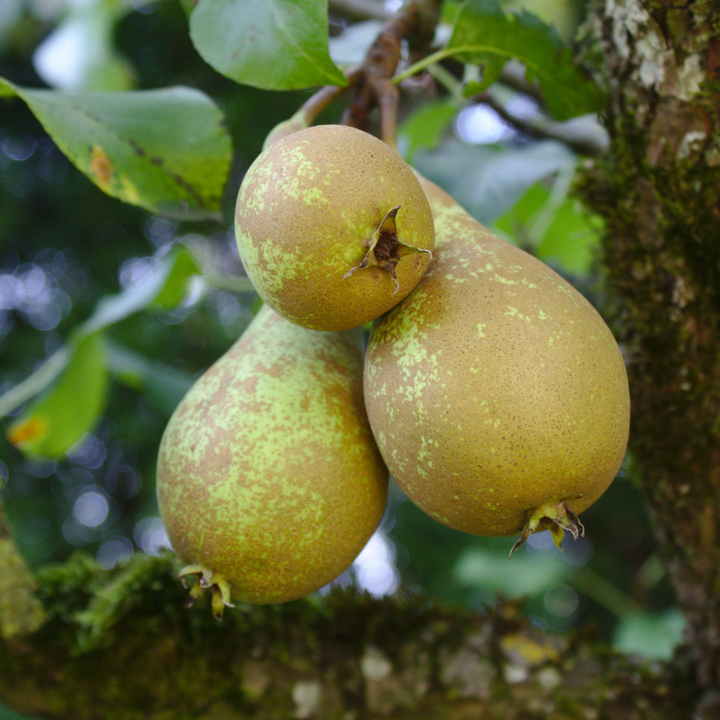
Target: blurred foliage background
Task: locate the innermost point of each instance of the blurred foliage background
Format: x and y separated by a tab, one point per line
183	299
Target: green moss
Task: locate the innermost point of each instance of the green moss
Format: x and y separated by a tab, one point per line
20	611
118	645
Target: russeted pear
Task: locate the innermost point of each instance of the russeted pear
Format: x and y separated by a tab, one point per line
332	227
269	481
497	395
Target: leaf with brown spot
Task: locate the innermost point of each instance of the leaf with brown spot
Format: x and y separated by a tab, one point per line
100	166
53	424
167	151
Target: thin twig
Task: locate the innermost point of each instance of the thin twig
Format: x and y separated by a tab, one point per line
415	22
583	134
312	107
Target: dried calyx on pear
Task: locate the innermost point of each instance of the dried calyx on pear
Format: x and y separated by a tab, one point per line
332	227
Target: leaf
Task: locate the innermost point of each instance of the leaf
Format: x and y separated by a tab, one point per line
514	225
522	575
167	151
424	128
571	238
491	71
6	90
274	44
485	34
187	6
555	225
34	384
487	180
654	635
165	286
51	426
94	63
166	385
182	267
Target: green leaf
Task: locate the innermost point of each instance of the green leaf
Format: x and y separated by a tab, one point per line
425	127
6	89
652	635
188	6
165	384
487	35
96	64
50	427
516	577
450	10
274	44
352	44
571	238
182	267
167	151
487	180
555	226
492	68
164	286
514	226
36	383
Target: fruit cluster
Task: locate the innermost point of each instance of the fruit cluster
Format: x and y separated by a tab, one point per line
490	389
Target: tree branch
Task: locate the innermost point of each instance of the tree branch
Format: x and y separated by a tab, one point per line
415	21
584	135
118	644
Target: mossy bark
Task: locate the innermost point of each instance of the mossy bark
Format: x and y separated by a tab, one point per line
119	644
20	610
657	188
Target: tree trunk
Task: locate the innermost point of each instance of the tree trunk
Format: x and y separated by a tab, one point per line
657	188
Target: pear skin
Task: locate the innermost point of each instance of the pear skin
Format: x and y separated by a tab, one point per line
269	481
497	394
332	227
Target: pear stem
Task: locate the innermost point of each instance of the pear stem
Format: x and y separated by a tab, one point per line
415	21
312	107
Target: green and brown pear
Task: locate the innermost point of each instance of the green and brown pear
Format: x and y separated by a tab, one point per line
332	227
269	481
496	392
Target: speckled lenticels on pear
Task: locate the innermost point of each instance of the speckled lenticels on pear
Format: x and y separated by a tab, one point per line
332	227
269	481
497	394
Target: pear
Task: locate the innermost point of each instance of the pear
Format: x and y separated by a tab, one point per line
269	481
332	227
497	395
